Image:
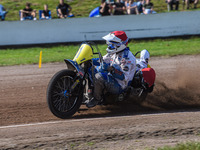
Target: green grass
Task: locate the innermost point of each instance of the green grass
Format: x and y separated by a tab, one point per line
80	8
183	146
90	143
31	55
170	47
158	47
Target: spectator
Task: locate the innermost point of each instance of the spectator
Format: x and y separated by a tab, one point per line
132	7
148	8
3	12
125	2
64	10
140	4
110	1
188	2
28	13
46	13
171	3
105	9
119	8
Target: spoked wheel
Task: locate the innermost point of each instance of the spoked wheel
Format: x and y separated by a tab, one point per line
62	101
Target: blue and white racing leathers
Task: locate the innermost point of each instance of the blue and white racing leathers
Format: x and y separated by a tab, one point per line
124	65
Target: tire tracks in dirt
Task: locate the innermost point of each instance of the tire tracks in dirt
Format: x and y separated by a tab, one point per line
23	100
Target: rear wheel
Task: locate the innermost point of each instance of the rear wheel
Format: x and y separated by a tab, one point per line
141	98
62	101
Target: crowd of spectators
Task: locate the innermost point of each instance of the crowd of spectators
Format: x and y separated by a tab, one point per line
63	10
121	7
187	3
107	7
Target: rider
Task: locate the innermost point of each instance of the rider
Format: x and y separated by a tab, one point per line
118	68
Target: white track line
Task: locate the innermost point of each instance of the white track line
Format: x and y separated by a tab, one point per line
55	122
77	120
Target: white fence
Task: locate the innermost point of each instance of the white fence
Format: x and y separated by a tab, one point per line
92	29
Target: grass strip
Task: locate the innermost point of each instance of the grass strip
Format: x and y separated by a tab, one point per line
158	47
183	146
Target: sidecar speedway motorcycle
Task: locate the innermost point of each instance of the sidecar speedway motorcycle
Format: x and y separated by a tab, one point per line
68	88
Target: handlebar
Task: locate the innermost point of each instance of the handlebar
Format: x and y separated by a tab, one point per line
137	53
98	52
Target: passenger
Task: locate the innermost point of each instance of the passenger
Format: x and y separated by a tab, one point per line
143	61
143	67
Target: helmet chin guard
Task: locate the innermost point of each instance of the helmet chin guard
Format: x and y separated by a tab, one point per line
116	41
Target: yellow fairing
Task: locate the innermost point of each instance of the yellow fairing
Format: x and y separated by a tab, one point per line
84	53
148	66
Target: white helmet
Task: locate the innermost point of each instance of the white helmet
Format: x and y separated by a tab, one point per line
144	56
116	41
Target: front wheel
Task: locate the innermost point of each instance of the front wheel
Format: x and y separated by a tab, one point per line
62	101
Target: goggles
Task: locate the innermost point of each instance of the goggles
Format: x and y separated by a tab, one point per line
116	44
112	45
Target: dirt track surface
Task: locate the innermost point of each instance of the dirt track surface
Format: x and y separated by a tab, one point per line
23	101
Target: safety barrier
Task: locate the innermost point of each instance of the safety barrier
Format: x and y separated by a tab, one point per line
92	29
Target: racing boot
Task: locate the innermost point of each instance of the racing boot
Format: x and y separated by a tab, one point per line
93	102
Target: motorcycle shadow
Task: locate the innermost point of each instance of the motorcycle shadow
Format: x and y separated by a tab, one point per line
129	109
163	99
118	109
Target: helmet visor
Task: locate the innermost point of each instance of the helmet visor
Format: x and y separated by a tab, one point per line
113	45
117	44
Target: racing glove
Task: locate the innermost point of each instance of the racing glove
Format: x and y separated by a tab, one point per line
116	73
96	61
